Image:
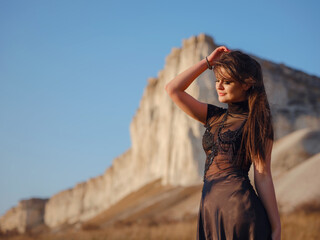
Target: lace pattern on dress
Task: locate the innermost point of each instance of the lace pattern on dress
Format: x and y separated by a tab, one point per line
222	147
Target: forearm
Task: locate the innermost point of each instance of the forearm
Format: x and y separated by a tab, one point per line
265	189
182	81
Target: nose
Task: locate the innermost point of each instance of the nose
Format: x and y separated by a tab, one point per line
219	85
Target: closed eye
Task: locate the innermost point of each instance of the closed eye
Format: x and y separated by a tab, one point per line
225	81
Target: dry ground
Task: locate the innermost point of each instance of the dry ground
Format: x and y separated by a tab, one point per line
156	212
297	226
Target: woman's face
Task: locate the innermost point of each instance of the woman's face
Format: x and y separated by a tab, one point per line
230	90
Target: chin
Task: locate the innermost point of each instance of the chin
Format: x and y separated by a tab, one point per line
223	100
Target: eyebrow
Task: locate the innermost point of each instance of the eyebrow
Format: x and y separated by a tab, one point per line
225	79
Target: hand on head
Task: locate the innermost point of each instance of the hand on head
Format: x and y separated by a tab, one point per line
216	54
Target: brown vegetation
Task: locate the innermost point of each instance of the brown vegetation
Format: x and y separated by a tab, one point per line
297	226
155	212
300	225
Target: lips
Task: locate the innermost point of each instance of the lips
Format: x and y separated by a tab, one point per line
221	94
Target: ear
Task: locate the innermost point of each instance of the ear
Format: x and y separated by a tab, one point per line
245	86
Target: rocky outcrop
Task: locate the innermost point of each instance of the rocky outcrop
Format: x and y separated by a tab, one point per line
300	186
26	215
294	97
166	143
89	198
293	149
295	162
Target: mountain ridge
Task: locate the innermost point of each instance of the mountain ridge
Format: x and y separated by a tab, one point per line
166	143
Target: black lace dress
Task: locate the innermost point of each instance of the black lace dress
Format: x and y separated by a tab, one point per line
229	208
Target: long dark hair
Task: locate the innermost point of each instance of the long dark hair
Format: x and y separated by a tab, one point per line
258	128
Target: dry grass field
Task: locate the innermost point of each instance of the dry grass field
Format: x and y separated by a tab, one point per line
297	226
158	212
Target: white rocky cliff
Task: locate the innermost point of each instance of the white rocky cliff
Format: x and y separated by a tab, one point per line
166	143
26	215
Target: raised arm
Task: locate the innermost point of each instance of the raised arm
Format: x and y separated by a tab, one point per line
264	185
177	86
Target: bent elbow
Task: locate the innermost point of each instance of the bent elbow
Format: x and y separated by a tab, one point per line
166	87
169	89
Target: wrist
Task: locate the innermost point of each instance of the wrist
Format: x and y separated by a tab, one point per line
209	65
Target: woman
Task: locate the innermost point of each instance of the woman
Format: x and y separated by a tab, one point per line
234	138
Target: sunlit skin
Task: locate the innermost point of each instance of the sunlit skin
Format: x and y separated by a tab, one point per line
230	90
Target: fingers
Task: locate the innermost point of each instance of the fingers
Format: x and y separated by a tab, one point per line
215	55
220	50
224	48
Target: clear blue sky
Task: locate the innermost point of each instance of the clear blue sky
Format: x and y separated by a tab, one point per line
72	74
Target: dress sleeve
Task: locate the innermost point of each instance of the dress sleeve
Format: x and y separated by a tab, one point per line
213	112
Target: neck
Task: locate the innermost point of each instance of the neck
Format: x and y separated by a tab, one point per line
238	107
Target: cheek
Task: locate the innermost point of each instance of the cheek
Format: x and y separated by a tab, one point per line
229	89
233	90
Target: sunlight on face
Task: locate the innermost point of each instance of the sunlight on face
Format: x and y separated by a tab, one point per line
228	89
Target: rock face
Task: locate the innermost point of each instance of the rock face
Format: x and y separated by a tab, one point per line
28	214
294	98
293	149
300	186
295	167
166	143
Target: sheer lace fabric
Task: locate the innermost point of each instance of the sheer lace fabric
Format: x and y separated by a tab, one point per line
227	126
229	206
